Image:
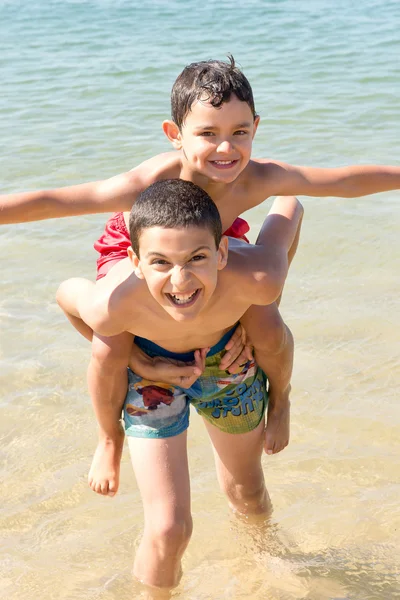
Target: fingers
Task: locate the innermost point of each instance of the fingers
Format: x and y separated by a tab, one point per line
249	352
237	335
197	368
200	359
182	376
235	350
237	365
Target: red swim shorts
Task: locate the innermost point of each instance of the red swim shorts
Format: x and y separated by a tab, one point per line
114	243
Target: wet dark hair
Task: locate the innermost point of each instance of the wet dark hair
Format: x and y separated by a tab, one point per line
173	203
213	81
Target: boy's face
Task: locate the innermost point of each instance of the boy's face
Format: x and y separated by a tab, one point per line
216	142
180	267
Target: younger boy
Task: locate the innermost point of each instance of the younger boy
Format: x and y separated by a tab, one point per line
180	290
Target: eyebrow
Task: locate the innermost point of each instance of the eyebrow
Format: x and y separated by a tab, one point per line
152	253
244	125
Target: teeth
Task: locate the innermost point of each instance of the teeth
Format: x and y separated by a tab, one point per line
223	162
182	299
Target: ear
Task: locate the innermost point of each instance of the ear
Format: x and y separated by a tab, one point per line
223	253
172	132
135	263
255	125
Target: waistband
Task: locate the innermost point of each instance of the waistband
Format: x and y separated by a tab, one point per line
151	348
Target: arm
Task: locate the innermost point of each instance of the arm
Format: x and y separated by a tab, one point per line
115	194
345	182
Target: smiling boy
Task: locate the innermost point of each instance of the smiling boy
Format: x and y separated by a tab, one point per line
212	128
181	290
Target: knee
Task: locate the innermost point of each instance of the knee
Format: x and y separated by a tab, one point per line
68	292
170	536
248	499
62	294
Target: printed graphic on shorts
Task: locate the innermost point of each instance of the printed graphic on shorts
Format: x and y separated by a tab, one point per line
152	403
153	394
236	400
247	372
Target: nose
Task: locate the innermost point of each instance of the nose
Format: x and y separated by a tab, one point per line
224	147
179	277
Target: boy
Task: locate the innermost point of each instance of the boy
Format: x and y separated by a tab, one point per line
212	128
181	290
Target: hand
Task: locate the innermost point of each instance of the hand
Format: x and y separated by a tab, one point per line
238	352
168	370
177	372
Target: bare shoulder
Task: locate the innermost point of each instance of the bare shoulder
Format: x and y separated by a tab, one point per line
267	169
262	178
118	193
257	182
163	166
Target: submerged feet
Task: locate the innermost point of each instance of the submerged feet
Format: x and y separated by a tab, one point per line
278	422
103	476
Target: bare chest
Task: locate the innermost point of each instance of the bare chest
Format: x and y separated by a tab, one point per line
152	322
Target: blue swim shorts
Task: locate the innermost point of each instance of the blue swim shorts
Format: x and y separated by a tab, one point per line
233	403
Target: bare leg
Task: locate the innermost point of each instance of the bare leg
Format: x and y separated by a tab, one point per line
239	471
282	226
271	338
273	351
107	381
162	475
67	298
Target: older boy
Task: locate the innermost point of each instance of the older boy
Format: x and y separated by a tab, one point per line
212	128
180	290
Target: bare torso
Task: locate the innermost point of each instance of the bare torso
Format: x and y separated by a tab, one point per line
232	199
141	315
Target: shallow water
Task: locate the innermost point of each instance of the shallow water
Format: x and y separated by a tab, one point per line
84	89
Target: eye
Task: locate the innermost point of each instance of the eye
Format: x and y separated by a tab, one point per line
159	261
206	134
197	257
241	132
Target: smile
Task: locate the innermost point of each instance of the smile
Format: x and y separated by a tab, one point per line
183	300
224	164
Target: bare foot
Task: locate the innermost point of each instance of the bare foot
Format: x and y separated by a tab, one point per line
278	422
103	476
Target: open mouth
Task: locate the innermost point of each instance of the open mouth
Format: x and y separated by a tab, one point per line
183	300
224	164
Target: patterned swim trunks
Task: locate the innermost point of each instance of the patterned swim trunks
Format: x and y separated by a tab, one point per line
233	403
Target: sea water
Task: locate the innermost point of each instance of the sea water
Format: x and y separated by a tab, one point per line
84	89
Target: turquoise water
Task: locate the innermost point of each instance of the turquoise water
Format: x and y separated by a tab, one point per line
85	87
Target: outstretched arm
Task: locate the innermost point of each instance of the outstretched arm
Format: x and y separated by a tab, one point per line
343	182
115	194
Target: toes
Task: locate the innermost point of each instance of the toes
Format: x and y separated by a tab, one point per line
112	488
104	488
97	488
268	447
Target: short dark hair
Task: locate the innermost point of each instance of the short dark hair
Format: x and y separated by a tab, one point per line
173	203
213	81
